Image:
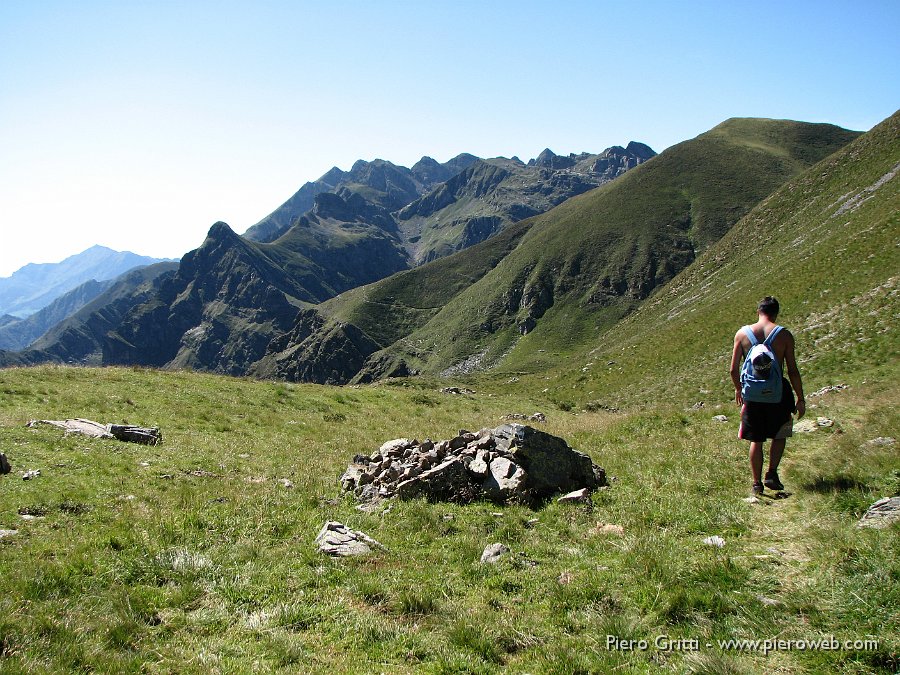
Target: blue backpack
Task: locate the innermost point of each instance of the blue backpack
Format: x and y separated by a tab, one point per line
761	371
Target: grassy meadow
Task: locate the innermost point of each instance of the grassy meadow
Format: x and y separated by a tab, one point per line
194	556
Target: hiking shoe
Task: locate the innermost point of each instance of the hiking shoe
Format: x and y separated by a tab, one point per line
771	481
757	488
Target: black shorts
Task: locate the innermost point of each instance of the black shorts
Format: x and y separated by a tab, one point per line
761	421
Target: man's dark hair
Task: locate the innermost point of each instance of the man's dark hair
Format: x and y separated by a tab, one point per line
769	306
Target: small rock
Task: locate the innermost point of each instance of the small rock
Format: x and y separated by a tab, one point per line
577	496
256	479
697	405
538	417
805	427
531	522
28	475
720	418
882	441
751	499
714	540
337	539
824	422
775	551
244	455
768	602
8	533
287	483
881	514
28	516
493	552
826	390
608	529
144	463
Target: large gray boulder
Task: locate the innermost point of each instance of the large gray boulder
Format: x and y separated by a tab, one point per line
511	463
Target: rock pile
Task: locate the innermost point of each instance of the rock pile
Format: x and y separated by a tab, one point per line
509	463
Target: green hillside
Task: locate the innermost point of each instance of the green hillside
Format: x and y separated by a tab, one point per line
586	263
825	244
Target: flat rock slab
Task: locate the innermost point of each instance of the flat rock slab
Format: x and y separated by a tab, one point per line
338	540
881	514
122	432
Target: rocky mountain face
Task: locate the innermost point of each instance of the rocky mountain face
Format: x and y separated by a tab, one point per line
491	194
574	270
380	182
35	286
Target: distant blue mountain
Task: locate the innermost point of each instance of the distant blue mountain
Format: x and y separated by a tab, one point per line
36	285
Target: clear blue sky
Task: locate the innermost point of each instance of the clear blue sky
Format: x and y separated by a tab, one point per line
136	125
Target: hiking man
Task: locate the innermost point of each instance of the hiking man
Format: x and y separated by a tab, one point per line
763	393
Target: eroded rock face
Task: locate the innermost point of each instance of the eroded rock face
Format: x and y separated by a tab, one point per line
512	462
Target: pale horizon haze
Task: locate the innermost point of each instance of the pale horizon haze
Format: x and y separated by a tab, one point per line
136	126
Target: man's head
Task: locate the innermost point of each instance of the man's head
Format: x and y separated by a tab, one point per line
768	307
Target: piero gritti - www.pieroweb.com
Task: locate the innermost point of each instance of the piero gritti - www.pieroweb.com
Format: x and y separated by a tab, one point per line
666	643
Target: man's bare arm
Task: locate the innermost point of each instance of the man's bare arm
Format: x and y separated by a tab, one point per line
794	374
736	354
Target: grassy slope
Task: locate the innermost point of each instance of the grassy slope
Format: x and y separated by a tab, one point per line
825	244
599	254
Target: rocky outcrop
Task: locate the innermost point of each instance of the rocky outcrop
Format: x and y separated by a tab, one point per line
511	463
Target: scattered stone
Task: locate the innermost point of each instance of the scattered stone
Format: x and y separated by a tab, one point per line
256	479
33	473
824	422
286	483
751	499
457	390
608	529
720	418
244	455
581	495
5	466
144	463
122	432
509	463
714	540
202	473
805	426
8	533
337	539
768	602
698	405
881	514
28	516
531	522
536	417
882	441
493	552
825	390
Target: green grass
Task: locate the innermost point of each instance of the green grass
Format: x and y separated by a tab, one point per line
202	560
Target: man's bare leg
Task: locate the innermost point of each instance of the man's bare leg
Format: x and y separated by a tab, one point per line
756	459
776	450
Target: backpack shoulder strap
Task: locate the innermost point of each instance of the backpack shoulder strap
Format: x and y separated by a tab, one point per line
749	332
771	338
